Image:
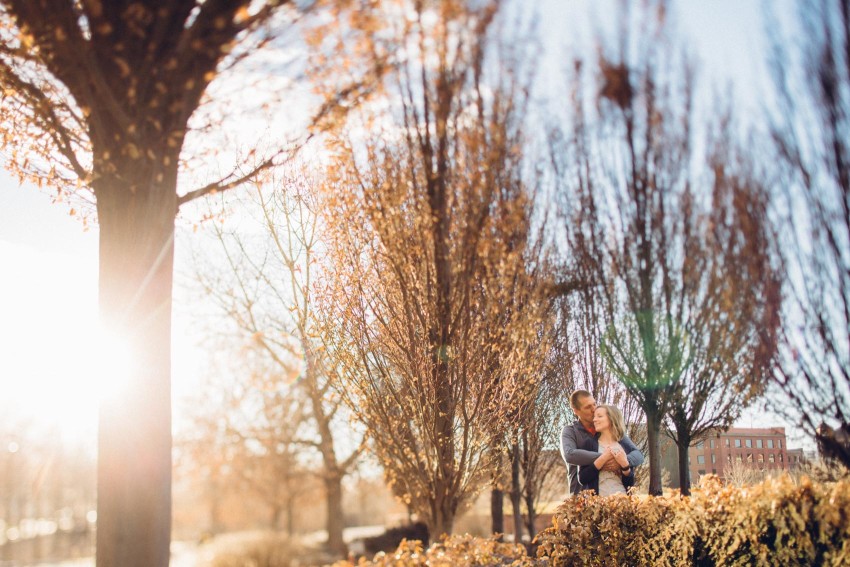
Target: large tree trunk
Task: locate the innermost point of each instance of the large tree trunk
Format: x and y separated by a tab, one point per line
134	438
653	430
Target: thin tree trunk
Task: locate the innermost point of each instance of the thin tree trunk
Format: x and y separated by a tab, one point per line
444	506
653	430
134	437
290	516
683	443
531	517
215	507
516	493
443	523
274	519
497	512
335	521
529	491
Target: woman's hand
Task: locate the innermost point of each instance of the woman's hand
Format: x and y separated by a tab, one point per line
604	457
619	455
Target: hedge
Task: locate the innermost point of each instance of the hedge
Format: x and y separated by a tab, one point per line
777	522
780	521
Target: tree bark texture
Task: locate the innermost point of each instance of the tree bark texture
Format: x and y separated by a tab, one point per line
134	436
497	512
336	519
653	427
531	516
333	471
682	445
516	492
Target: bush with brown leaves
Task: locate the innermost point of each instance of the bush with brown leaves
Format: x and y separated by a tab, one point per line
777	522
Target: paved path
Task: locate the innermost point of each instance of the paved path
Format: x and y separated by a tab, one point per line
188	554
183	554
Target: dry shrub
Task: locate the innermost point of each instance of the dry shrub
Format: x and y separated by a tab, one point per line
451	552
776	522
745	474
613	531
779	522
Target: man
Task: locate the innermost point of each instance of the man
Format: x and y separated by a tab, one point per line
576	434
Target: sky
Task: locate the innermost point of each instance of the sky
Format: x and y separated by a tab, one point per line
48	287
725	36
48	292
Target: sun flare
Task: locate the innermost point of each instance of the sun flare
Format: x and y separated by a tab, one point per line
61	372
57	364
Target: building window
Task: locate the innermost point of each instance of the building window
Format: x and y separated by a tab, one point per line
780	457
770	443
779	443
728	458
701	472
713	471
749	457
771	458
711	443
761	459
738	443
759	443
749	443
713	460
738	459
701	445
701	459
727	443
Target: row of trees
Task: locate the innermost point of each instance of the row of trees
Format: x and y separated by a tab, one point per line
440	291
440	297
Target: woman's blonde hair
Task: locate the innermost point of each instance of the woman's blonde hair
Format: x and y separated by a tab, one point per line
618	424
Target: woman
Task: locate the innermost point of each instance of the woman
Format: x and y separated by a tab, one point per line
609	424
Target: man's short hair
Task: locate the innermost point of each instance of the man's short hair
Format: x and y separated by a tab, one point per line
578	395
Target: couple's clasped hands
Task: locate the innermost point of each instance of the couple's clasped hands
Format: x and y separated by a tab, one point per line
612	458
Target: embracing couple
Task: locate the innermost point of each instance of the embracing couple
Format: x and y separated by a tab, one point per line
599	455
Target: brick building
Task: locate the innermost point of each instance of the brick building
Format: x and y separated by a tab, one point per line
797	458
762	448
